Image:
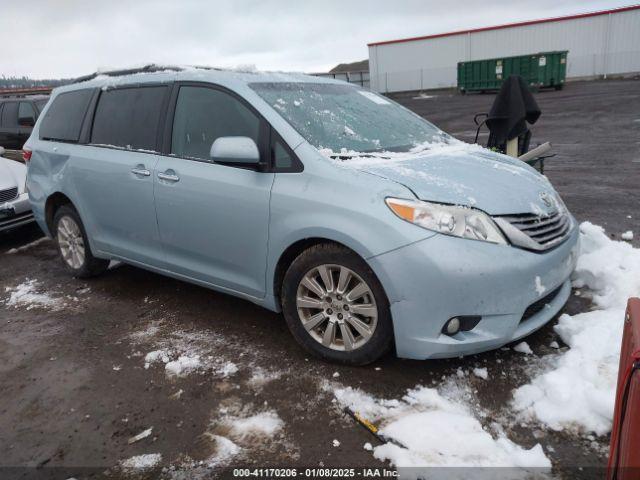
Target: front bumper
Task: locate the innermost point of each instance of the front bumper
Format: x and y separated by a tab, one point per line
432	280
15	213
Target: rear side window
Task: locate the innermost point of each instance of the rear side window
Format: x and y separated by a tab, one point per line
204	114
26	111
10	115
64	117
128	117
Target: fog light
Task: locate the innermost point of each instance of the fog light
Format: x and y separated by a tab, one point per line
453	326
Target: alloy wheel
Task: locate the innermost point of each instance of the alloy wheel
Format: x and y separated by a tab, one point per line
336	307
71	242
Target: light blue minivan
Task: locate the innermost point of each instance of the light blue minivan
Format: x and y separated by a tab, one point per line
367	226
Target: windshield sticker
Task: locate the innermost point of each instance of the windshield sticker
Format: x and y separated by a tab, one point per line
373	97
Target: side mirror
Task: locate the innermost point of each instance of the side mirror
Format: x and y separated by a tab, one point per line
26	121
235	151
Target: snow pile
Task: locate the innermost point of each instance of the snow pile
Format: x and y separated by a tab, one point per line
228	369
175	365
261	377
628	235
431	427
183	366
481	373
579	390
184	353
523	347
225	451
424	96
26	295
155	357
141	462
265	423
27	246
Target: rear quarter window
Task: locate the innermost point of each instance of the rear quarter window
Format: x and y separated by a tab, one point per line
9	116
129	117
64	117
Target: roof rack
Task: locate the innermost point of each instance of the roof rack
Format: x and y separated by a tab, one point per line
23	92
152	67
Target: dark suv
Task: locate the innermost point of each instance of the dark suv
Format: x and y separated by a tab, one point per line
18	115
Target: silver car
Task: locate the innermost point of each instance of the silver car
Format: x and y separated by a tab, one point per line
15	209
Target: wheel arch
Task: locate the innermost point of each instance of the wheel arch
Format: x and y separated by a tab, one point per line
293	250
53	203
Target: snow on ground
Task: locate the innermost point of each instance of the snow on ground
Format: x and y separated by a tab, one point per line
146	333
424	96
225	451
27	246
260	377
523	347
436	430
481	373
141	462
578	389
628	235
228	369
27	295
265	423
185	352
183	366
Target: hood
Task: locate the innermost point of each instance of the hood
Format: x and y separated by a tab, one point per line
469	176
12	174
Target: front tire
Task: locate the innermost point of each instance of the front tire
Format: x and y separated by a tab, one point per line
73	245
335	306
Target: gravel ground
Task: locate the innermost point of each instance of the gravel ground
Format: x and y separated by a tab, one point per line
72	370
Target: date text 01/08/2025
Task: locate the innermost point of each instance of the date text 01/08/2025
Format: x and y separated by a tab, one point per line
314	473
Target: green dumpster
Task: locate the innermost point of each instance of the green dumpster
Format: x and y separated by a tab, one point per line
539	70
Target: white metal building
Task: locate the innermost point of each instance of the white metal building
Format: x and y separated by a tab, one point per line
599	44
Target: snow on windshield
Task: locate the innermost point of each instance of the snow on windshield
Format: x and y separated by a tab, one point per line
337	117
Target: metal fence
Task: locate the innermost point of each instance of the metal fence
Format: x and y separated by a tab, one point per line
359	78
578	66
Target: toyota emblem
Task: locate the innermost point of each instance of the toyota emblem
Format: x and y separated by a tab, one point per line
546	199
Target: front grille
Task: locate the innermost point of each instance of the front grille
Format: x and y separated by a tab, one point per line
540	304
8	194
541	232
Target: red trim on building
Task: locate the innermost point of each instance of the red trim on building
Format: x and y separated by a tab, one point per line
509	25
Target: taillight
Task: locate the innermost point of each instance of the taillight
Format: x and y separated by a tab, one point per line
26	154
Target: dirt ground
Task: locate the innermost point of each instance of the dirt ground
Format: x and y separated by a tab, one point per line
73	377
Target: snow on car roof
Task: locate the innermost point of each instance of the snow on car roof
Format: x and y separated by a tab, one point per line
159	74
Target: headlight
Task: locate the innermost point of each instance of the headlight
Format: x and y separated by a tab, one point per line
461	222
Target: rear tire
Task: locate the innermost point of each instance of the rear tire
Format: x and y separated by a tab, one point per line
73	246
335	307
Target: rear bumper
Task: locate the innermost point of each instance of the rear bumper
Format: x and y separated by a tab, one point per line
15	213
433	280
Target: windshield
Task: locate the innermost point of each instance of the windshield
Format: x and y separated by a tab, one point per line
344	118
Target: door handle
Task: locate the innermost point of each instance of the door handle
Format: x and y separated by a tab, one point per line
141	171
169	177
